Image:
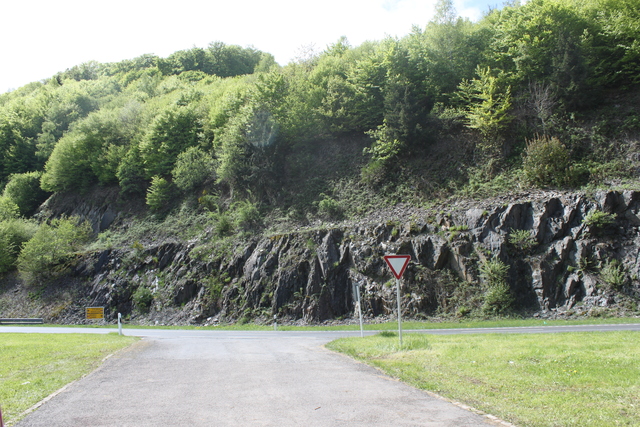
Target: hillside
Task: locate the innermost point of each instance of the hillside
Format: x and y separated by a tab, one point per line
154	185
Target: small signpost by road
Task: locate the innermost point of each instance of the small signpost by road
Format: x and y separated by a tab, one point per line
398	264
95	312
356	288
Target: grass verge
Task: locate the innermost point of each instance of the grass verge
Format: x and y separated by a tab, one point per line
386	326
32	366
564	379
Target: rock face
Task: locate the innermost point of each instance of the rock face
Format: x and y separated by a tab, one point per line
556	266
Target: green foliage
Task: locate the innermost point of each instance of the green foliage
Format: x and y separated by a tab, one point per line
52	245
159	195
330	208
172	132
613	274
522	240
547	162
13	234
69	165
215	285
246	214
130	172
384	150
142	299
8	209
487	103
218	59
545	41
24	190
193	167
223	224
541	66
598	221
497	298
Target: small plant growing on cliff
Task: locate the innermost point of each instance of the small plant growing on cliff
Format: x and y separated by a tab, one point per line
247	214
522	240
613	274
142	299
598	221
585	264
223	224
497	298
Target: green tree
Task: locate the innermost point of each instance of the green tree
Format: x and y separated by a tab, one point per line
13	234
172	132
130	173
8	209
24	190
193	167
51	247
159	195
487	103
544	41
69	166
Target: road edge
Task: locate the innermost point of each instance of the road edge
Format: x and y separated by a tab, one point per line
491	418
23	415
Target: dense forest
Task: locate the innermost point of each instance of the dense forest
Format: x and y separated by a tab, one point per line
540	95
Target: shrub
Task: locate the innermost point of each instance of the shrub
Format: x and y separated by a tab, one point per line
329	207
193	167
598	221
247	214
613	274
546	162
159	194
8	209
497	298
130	172
24	190
13	234
522	240
51	245
142	299
224	225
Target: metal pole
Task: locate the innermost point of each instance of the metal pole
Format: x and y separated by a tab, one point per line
359	310
399	312
119	324
275	323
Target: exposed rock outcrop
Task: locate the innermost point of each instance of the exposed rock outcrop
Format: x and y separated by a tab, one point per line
310	274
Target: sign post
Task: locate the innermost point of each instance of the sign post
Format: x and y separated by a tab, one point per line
95	312
398	264
357	286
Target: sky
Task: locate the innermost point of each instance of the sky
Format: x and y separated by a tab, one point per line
39	38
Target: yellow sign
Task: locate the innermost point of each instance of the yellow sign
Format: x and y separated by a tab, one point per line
95	312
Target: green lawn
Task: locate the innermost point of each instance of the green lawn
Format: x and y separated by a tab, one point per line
32	366
564	379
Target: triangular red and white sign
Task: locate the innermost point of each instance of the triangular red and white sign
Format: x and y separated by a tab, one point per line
397	264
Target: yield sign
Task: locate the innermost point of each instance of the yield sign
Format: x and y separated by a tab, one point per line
397	264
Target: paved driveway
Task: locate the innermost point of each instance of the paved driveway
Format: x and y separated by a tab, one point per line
204	378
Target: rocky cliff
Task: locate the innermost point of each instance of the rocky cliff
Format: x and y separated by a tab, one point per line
567	254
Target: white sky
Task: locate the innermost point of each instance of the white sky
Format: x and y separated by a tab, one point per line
39	38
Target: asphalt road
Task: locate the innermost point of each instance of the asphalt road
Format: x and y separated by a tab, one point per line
224	378
237	378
